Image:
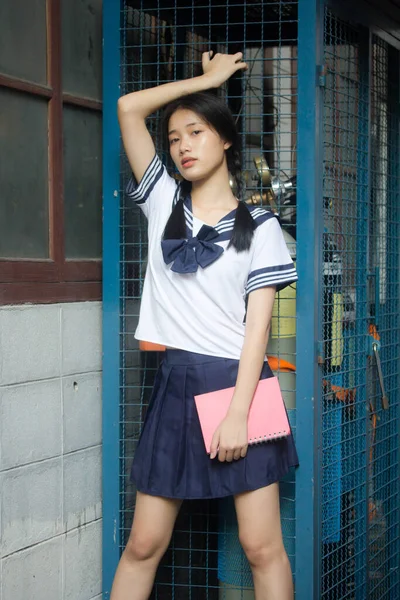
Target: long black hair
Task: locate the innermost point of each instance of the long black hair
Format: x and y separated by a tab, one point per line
217	115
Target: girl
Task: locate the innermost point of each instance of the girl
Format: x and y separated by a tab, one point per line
214	265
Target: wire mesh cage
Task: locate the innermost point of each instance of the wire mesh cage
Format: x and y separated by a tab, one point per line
359	465
161	42
351	409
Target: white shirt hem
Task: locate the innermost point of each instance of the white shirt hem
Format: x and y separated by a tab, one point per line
195	350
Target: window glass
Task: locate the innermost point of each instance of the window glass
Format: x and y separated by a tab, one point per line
24	212
82	47
23	39
82	183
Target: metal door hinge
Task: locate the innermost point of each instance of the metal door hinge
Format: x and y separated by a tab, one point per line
321	75
320	353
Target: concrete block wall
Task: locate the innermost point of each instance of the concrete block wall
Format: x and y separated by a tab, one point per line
50	452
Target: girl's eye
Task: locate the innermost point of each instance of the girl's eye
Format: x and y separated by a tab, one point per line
173	141
196	131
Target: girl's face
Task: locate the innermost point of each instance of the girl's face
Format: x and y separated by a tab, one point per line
196	149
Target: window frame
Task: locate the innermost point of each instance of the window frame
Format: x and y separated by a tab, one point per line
55	279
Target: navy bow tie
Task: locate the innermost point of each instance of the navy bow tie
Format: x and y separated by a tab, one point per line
187	255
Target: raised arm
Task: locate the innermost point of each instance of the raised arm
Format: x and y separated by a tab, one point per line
134	108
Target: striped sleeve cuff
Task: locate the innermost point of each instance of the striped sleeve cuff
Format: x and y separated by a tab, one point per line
279	276
140	193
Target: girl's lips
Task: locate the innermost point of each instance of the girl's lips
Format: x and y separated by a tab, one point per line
188	163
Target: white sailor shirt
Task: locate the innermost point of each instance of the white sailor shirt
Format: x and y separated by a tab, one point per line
203	311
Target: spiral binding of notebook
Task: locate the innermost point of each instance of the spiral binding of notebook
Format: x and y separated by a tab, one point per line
273	437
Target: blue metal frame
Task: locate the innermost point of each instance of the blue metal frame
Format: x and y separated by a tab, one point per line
111	283
308	386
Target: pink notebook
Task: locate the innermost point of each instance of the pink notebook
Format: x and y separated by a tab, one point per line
267	419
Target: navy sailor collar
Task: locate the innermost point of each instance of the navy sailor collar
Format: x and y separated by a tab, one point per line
186	255
225	225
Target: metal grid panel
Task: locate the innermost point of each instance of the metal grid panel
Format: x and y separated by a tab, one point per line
160	42
359	541
383	492
343	423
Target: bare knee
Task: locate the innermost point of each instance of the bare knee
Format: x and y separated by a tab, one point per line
142	547
261	553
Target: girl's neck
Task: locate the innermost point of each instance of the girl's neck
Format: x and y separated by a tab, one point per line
214	192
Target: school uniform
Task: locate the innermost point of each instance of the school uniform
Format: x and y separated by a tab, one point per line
194	300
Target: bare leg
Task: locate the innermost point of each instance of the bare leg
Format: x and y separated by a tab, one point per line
260	534
151	532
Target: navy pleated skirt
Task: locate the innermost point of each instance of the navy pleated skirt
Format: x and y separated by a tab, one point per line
171	459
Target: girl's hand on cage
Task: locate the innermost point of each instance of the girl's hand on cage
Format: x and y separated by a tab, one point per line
220	67
230	439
